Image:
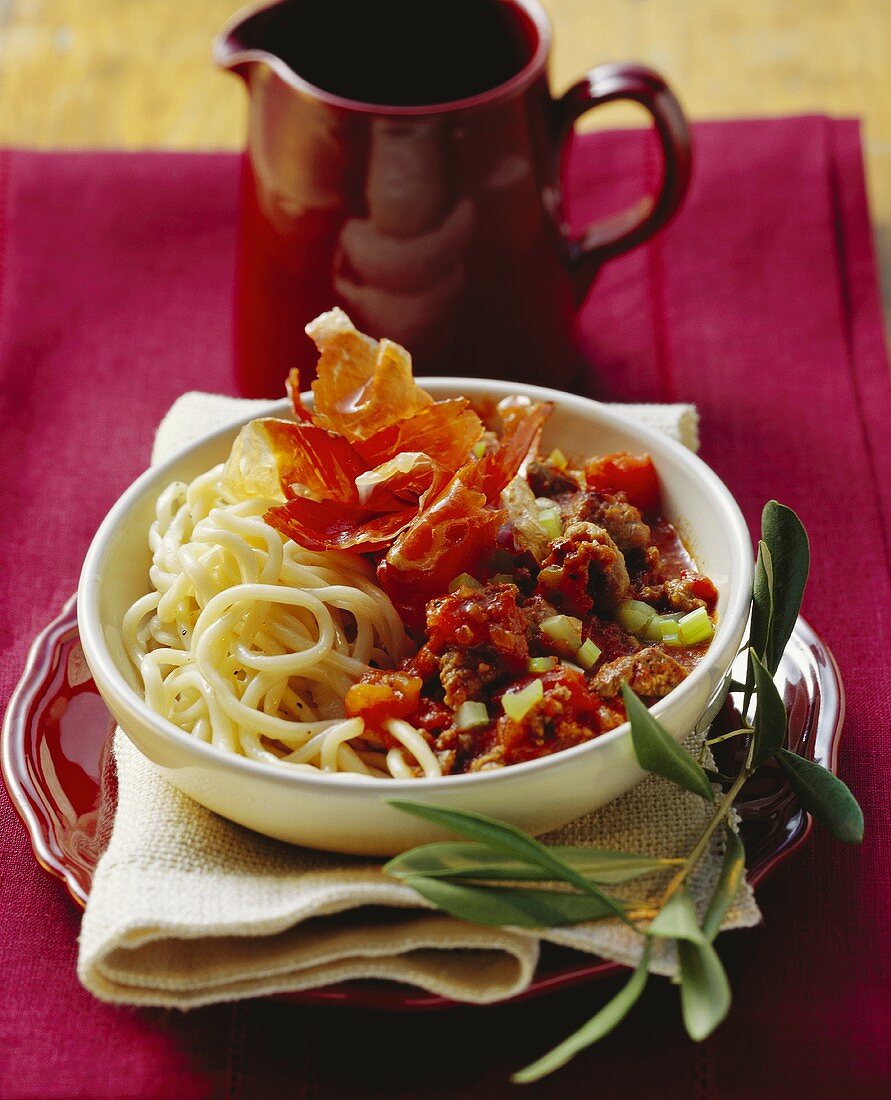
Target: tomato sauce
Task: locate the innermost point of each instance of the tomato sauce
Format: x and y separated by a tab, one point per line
479	640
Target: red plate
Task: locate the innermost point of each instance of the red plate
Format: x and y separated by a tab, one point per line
56	764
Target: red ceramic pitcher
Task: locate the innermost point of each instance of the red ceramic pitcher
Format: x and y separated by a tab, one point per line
403	161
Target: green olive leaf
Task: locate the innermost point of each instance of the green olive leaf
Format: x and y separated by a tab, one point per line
457	860
824	795
762	602
507	841
705	991
790	556
658	752
770	715
733	868
677	920
602	1023
510	906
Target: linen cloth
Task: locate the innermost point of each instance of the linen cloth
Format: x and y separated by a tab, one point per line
187	908
760	304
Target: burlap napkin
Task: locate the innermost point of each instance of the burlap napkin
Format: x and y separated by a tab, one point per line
187	908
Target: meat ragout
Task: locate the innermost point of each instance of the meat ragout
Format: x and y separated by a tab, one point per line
527	655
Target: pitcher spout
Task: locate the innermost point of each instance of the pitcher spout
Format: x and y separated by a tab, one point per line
245	40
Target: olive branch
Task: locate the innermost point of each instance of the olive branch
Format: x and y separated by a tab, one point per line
481	879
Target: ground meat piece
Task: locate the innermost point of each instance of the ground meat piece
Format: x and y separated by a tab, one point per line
447	760
535	610
546	480
460	751
621	520
466	673
567	715
585	568
609	717
650	673
480	638
682	594
493	757
691	590
425	663
653	594
610	638
679	597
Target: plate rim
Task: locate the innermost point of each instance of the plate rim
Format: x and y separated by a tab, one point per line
44	651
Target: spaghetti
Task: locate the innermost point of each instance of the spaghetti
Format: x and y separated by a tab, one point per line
251	643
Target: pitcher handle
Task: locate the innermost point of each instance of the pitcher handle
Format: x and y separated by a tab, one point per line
617	233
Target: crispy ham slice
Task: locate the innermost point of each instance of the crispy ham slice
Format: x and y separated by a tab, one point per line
522	422
378	467
446	431
363	385
451	535
270	457
333	525
447	539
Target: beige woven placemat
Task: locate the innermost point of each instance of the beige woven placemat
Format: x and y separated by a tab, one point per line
187	908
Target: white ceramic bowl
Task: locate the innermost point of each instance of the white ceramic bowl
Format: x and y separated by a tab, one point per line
349	813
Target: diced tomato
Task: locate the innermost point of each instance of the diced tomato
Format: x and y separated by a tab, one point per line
633	475
381	695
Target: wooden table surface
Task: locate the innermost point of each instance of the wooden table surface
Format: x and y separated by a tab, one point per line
124	74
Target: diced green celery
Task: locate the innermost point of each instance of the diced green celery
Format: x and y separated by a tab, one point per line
652	632
695	627
502	578
564	630
470	715
634	616
668	627
479	449
464	580
517	704
558	458
542	664
588	653
551	522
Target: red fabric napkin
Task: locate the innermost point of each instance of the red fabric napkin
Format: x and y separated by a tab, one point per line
759	304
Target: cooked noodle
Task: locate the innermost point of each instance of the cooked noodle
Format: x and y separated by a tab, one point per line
251	643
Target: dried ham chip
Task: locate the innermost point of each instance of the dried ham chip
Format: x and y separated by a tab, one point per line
331	525
410	477
363	386
292	385
270	456
384	502
445	540
378	466
446	431
522	424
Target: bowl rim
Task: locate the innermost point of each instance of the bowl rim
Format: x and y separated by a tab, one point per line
720	653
